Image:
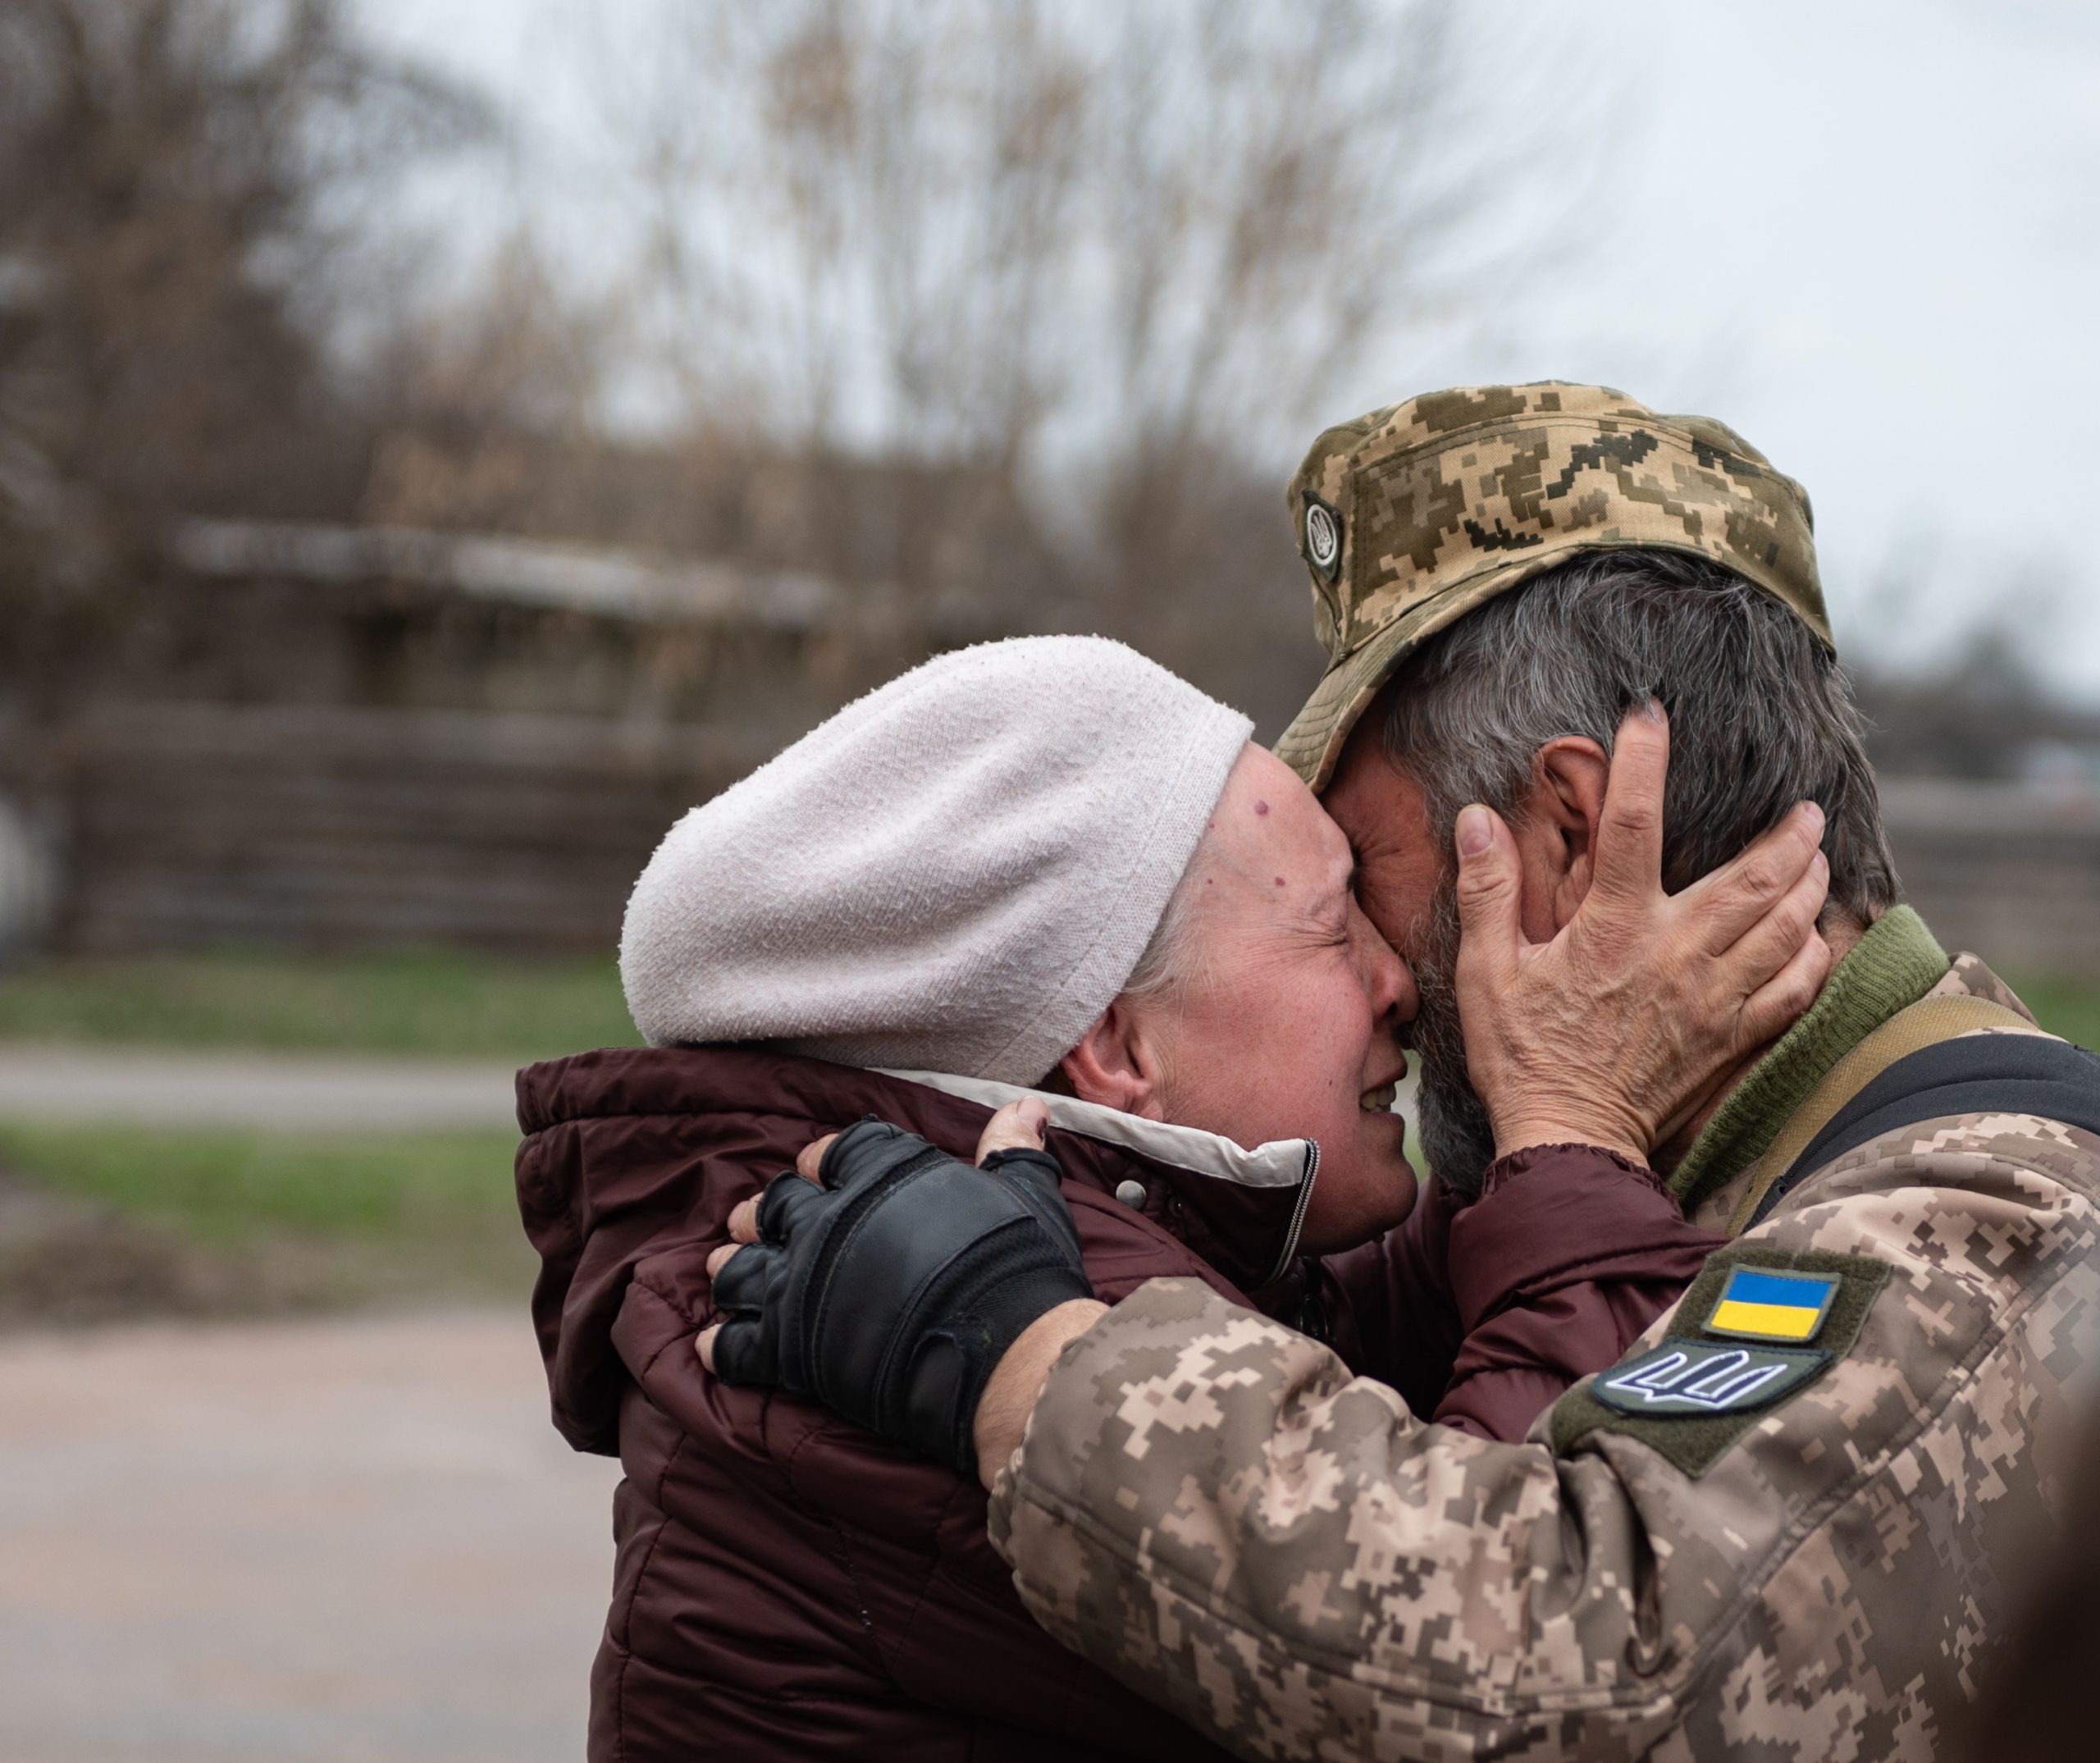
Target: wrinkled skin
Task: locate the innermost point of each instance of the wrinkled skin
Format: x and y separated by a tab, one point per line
1409	883
1680	988
1285	1022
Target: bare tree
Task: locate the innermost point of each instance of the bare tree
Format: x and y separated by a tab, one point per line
1977	704
177	180
1128	251
948	224
486	408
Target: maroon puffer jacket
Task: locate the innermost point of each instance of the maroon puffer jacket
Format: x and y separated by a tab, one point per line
788	1587
1482	1315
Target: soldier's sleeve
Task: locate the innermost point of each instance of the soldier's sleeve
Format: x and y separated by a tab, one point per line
1211	1507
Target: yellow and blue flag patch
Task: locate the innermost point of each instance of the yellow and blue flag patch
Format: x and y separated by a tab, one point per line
1759	1324
1760	1304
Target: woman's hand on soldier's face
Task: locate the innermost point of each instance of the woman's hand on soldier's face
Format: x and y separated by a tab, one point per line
1615	1032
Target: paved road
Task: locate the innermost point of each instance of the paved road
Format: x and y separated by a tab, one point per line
351	1540
150	1086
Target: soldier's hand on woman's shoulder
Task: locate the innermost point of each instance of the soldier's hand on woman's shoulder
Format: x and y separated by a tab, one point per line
887	1280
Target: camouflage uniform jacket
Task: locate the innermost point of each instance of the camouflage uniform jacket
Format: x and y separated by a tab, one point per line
1211	1507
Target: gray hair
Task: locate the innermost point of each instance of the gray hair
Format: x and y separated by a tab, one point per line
1173	959
1761	715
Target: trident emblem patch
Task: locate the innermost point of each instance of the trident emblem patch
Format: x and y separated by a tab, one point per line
1323	536
1687	1377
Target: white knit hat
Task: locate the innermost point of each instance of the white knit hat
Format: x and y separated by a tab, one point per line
957	873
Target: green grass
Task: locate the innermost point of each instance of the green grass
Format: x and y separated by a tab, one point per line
425	1002
307	1218
2069	1007
224	1186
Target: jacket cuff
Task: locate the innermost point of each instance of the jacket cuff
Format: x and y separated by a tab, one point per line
1505	1170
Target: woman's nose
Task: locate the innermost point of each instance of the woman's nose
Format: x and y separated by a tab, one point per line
1388	979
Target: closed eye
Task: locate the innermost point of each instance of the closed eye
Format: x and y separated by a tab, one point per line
1339	919
1334	927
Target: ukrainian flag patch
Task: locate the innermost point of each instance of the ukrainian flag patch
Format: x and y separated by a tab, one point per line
1736	1349
1761	1303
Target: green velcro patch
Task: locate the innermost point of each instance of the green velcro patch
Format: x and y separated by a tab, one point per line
1696	1392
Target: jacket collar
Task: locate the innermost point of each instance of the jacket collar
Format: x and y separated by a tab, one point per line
1241	1210
1220	1198
1895	964
1280	1163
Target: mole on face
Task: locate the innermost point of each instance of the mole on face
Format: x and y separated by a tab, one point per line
1279	881
1260	806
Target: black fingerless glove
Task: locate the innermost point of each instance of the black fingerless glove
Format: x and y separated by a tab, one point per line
891	1292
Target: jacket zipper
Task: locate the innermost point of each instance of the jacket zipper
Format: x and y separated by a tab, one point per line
1298	1212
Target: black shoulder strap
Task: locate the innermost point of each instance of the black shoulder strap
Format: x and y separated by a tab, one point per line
1978	1074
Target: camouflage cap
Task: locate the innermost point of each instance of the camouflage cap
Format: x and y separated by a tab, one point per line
1413	515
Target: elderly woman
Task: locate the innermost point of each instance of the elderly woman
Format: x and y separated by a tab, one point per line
1048	873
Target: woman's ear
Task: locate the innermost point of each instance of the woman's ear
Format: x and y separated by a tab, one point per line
1556	831
1117	1064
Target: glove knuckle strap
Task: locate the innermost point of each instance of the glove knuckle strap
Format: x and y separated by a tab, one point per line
894	1291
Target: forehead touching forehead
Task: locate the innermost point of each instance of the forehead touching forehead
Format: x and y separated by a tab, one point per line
1270	835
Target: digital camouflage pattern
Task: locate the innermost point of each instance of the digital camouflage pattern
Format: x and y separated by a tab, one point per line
1209	1506
1413	515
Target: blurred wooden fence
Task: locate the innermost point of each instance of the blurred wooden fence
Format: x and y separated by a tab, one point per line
187	824
2012	873
181	825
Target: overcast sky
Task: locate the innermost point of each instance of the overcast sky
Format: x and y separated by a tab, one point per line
1862	233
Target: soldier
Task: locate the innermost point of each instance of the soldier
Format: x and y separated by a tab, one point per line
1783	1525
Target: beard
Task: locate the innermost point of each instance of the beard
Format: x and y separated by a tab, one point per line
1457	1137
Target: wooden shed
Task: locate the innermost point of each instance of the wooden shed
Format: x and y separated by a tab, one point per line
339	738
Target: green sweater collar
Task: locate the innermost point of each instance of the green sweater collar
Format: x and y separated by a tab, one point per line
1894	964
